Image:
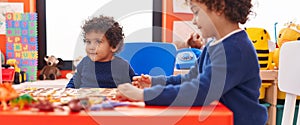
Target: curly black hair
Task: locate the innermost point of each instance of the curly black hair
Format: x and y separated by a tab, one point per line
107	25
234	10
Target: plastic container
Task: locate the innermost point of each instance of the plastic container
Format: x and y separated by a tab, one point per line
280	113
262	90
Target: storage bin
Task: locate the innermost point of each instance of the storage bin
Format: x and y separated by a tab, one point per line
262	90
279	114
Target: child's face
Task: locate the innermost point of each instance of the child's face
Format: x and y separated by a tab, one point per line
97	47
203	18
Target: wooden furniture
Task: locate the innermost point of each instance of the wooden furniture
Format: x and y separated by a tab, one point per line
214	114
270	76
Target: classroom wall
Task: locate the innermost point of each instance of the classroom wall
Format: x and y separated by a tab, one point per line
29	6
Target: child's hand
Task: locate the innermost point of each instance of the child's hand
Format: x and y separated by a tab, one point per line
143	81
195	41
128	92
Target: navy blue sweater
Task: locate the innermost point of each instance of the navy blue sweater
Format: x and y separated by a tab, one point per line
101	74
227	71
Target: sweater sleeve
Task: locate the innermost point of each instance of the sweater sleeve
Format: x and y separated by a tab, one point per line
77	76
208	86
175	79
70	84
131	72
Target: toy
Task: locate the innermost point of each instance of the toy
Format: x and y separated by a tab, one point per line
50	70
22	101
263	45
20	76
7	92
290	33
45	106
8	75
186	58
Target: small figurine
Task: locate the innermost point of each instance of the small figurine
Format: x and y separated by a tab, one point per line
22	101
45	106
7	92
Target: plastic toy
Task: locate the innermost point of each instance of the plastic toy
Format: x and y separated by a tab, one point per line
290	33
50	70
22	101
263	45
8	75
20	76
7	92
186	57
45	106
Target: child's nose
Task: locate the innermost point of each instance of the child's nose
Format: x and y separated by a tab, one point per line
92	46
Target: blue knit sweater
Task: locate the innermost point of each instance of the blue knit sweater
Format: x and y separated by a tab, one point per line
227	71
101	74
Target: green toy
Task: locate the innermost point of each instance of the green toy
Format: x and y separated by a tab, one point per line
21	101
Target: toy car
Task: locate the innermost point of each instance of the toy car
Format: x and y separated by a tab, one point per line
19	76
8	74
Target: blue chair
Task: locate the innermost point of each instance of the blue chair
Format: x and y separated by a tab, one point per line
153	58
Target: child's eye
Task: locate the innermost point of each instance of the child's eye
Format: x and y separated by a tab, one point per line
196	12
87	41
99	41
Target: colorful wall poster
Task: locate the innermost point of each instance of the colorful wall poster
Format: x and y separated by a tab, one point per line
8	7
21	41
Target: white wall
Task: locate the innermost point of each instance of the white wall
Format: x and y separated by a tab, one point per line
268	12
64	19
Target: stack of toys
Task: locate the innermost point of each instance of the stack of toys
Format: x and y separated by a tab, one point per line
291	32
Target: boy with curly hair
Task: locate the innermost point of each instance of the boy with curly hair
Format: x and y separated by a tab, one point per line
103	37
227	70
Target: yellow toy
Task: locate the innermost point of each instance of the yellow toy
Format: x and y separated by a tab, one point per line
20	76
290	33
7	92
263	45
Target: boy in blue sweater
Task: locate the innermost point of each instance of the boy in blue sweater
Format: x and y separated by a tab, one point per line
103	37
226	71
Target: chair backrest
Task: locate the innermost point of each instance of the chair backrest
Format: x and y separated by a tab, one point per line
288	79
153	58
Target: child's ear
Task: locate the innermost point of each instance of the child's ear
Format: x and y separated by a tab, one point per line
114	49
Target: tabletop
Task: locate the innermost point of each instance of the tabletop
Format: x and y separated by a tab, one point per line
216	113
